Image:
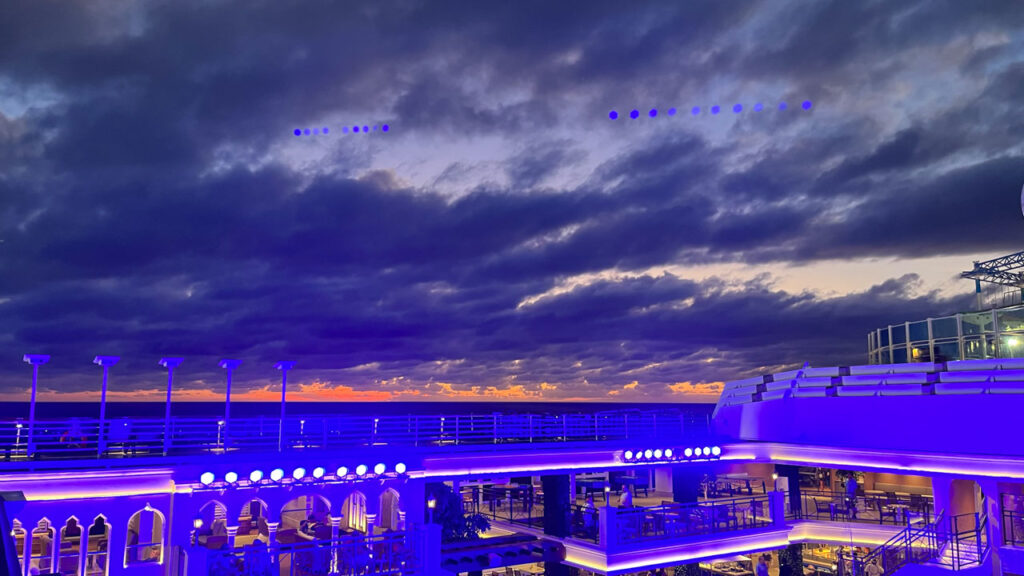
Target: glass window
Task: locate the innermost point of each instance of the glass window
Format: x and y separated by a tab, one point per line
885	357
977	323
899	356
919	331
1011	346
946	351
920	353
899	334
884	333
944	328
974	349
1011	319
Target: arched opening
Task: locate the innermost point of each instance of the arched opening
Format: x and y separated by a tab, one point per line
214	532
97	547
252	524
305	518
70	547
19	543
144	542
42	547
353	512
389	516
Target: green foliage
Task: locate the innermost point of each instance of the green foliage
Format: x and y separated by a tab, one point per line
455	526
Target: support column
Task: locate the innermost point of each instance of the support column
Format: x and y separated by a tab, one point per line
686	483
557	516
791	560
230	366
232	531
792	476
371	519
272	539
284	367
55	551
27	549
335	530
83	549
994	510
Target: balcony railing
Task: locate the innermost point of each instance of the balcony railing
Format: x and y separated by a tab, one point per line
674	520
392	554
126	437
869	509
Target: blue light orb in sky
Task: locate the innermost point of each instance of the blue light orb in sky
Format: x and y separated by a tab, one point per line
807	105
613	115
737	108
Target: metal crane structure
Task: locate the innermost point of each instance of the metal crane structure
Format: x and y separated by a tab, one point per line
1006	271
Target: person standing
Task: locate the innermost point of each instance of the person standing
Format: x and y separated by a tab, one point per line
851	495
762	566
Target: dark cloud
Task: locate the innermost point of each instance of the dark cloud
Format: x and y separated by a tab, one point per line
153	202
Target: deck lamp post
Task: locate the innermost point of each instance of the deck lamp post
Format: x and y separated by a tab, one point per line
197	523
431	504
607	495
35	360
284	367
775	481
105	362
170	364
230	366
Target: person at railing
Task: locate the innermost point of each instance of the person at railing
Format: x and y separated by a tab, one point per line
851	495
873	569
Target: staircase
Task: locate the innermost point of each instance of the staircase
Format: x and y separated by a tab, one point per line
954	543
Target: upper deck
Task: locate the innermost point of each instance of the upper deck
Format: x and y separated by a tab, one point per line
124	441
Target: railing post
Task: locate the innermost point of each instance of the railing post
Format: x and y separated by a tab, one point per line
565	427
456	430
416	431
625	425
530	420
494	415
597	435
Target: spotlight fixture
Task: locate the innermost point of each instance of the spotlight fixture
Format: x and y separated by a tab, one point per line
648	453
657	453
715	450
206	478
318	472
379	468
231	477
400	468
668	452
688	452
255	476
298	473
341	472
361	470
276	474
707	451
628	455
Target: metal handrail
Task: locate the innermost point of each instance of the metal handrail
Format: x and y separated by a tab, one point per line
91	438
697	518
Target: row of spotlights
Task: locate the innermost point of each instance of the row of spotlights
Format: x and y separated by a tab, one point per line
669	453
277	474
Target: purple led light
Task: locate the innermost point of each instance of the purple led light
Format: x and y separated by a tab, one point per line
613	115
695	111
366	128
316	130
782	105
298	132
807	105
715	109
653	112
634	114
671	111
758	107
325	129
737	108
306	131
384	128
355	128
344	129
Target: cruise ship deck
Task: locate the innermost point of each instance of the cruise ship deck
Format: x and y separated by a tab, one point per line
821	470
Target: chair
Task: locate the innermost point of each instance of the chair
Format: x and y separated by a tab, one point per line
823	507
884	511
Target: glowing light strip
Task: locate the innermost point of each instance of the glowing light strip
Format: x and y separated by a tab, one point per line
560	465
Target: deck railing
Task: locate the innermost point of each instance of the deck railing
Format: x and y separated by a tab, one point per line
696	519
125	437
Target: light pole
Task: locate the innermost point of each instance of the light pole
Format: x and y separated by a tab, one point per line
284	367
431	504
230	366
35	360
105	362
170	364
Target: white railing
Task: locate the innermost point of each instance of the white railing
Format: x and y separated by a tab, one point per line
87	438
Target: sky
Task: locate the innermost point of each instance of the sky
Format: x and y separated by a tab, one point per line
504	239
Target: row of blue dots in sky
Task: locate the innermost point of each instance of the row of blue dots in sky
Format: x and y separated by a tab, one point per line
696	110
344	130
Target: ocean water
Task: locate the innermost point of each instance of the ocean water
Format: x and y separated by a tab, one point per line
57	410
